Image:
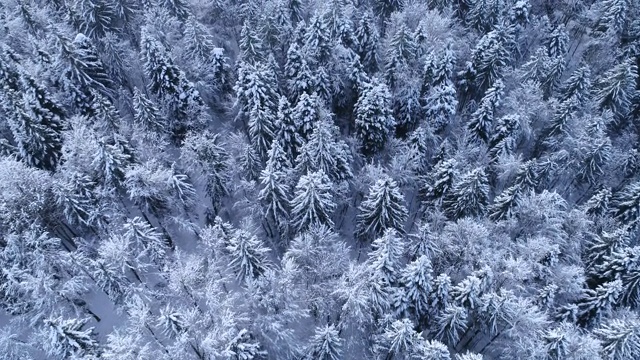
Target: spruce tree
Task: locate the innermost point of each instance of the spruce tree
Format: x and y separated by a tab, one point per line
383	208
313	202
469	196
374	120
325	344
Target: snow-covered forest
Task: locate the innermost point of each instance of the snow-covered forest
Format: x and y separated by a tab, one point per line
320	179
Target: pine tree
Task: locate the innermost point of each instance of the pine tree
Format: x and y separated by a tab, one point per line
400	341
469	196
248	255
305	114
300	79
374	121
452	322
313	201
367	43
97	17
250	44
616	88
481	121
35	121
598	204
614	15
626	203
209	159
442	178
286	130
67	338
85	67
146	114
491	55
325	344
274	197
578	86
384	8
417	279
317	41
483	15
383	208
503	140
261	130
441	105
171	84
323	152
557	42
620	337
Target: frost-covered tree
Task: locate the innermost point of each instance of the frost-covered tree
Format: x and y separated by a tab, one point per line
313	202
481	121
170	83
68	337
616	88
374	120
469	196
325	344
248	255
383	208
619	337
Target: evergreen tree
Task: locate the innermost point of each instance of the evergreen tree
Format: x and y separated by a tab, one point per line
286	130
481	121
616	88
248	255
209	160
313	201
305	114
469	196
85	67
417	279
382	209
274	197
367	40
441	105
317	41
619	337
171	84
374	121
250	44
325	344
300	79
491	55
147	114
578	86
67	338
626	203
400	341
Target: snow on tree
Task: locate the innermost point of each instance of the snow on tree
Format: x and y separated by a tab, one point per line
367	40
469	195
483	15
300	79
620	337
68	337
491	55
441	105
286	130
399	341
417	279
384	261
305	114
616	88
313	202
96	17
383	208
374	120
325	344
626	203
481	121
146	114
577	86
250	44
171	84
317	40
323	152
274	197
452	322
248	255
